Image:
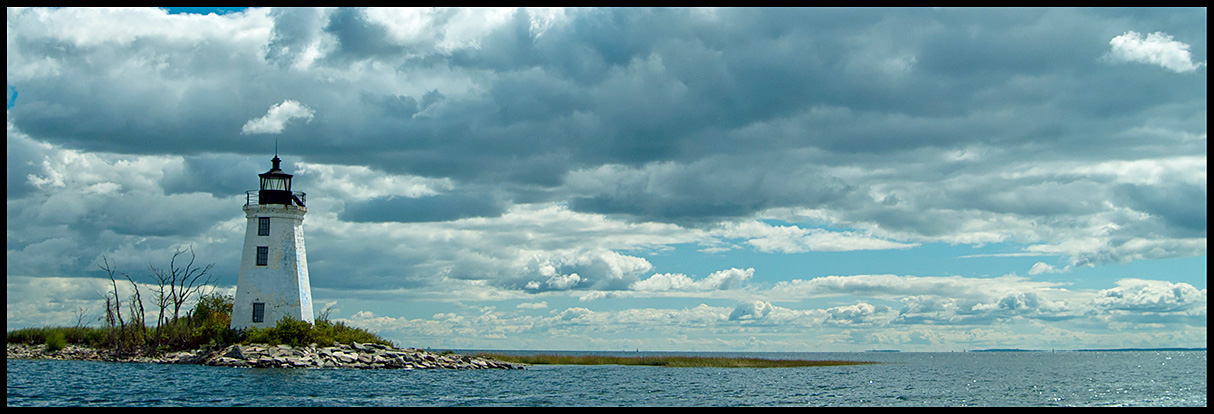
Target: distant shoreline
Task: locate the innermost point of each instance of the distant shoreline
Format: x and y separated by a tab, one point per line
871	351
662	361
1087	350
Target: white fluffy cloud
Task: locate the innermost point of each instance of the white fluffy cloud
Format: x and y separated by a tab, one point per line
1040	267
794	239
1153	296
275	120
1156	48
720	280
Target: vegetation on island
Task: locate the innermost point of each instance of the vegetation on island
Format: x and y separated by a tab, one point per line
178	327
205	326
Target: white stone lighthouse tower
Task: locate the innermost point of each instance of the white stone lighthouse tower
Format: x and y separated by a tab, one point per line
273	280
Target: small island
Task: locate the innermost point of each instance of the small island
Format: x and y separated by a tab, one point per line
203	336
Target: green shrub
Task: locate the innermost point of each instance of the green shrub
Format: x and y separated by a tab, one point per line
85	336
298	333
55	341
345	334
28	336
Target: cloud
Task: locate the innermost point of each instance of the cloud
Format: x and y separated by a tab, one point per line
706	190
1156	48
1152	296
750	310
897	286
721	280
770	238
275	120
439	207
579	269
1040	267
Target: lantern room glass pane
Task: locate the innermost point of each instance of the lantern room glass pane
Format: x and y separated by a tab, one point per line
275	183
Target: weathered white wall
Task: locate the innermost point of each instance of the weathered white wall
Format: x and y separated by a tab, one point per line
283	283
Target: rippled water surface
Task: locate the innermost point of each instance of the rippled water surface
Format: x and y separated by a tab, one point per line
1132	378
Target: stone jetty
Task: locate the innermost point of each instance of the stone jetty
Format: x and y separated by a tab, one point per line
356	355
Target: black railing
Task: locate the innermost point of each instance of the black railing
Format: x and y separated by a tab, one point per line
298	197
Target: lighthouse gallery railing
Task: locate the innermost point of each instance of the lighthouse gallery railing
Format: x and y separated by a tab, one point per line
250	197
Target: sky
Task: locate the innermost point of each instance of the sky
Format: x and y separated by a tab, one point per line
686	179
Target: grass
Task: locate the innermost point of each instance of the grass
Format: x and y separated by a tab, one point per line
206	325
665	361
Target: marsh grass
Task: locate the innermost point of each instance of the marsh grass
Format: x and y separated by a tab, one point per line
665	361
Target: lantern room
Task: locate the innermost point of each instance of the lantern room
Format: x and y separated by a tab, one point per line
276	187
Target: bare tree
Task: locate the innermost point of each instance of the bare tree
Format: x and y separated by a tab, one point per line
81	314
113	310
137	304
162	297
182	282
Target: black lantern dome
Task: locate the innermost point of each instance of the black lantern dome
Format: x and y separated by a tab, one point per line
276	187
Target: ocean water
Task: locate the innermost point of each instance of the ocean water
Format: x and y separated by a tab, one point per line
1114	378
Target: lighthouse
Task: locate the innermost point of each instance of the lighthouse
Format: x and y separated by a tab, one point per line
273	279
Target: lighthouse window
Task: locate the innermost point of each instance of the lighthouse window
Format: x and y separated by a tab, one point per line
263	255
259	312
263	226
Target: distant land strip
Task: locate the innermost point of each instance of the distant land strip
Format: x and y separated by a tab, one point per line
1087	350
665	361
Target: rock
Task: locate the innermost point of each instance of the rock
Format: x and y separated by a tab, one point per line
357	355
234	352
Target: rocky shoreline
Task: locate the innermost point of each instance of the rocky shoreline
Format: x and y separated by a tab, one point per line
357	355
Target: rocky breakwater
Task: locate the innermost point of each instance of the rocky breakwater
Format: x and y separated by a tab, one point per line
356	355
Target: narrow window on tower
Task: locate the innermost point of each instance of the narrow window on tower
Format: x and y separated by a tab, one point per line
259	312
263	226
263	255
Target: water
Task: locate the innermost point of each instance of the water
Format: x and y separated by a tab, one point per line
1130	378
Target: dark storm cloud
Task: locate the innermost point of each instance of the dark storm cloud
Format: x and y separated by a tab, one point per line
22	158
709	114
1183	207
222	176
444	207
295	28
357	38
706	191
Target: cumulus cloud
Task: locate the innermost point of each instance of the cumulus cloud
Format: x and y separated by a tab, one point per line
597	269
861	313
1040	267
1152	296
750	310
99	204
721	280
1156	48
794	239
275	120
